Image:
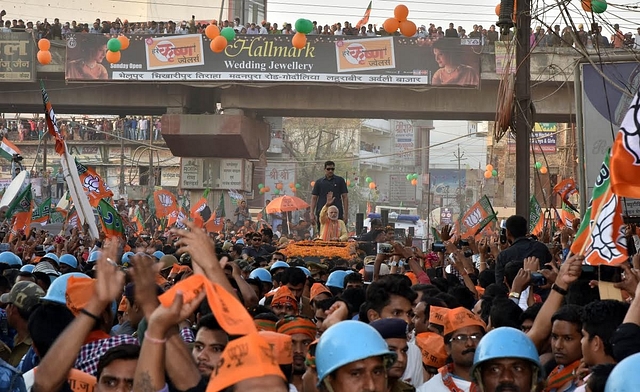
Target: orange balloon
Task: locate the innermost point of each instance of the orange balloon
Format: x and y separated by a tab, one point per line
44	57
218	44
487	174
212	31
372	185
267	189
313	183
401	12
279	186
544	170
348	182
294	190
489	167
391	25
113	57
586	5
408	28
44	44
124	42
299	41
414	182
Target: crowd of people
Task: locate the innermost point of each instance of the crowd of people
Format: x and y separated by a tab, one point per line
542	37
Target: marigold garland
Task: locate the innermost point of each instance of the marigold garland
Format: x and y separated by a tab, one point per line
325	249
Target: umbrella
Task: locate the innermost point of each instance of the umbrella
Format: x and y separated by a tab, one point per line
286	204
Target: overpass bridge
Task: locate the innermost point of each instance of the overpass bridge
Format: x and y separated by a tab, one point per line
191	129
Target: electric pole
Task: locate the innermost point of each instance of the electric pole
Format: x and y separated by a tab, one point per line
523	115
122	164
459	157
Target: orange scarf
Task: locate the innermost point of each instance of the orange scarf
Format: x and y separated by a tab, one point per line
445	372
560	376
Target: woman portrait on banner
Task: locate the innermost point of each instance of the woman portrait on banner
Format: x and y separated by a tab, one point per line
447	53
87	62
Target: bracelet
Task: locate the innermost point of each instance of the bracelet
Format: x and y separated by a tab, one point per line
559	290
153	340
514	294
89	314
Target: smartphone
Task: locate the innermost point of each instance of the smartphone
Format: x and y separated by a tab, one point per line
438	247
468	253
503	232
368	274
609	273
537	279
589	273
385	248
462	243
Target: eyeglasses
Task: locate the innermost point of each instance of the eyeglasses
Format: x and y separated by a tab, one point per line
330	168
277	259
280	307
257	239
464	338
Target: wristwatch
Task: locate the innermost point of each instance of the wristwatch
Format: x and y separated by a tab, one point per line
514	294
559	289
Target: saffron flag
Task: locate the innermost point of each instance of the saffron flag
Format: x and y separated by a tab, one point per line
601	237
477	217
22	203
8	149
139	222
536	217
111	221
625	154
566	189
94	186
41	213
176	217
52	125
200	212
165	202
21	224
73	220
58	215
365	18
565	217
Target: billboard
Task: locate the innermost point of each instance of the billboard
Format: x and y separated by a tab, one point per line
543	138
400	189
404	142
279	173
603	102
272	59
215	173
17	57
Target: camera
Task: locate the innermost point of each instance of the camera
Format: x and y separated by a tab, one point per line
462	243
438	247
385	248
17	158
537	279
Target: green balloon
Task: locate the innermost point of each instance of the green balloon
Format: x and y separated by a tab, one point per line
277	191
494	173
538	165
368	179
114	45
309	26
297	186
598	6
409	177
415	176
304	26
229	33
260	185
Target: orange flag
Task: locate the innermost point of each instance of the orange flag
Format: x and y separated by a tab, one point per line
566	188
625	154
166	203
93	185
21	224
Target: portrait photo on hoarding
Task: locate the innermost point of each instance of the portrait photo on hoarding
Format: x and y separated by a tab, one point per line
453	64
86	58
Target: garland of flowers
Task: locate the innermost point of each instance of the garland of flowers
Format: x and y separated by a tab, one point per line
328	249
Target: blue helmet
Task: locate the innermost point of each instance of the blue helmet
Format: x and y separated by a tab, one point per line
125	257
52	256
10	258
57	292
362	339
261	274
625	376
69	260
305	270
336	278
27	268
158	254
94	256
279	264
506	342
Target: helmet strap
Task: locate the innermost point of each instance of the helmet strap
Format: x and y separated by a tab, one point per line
327	384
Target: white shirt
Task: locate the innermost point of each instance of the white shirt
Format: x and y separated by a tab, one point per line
436	385
413	372
29	377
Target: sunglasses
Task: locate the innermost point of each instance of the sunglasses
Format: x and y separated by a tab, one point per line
330	168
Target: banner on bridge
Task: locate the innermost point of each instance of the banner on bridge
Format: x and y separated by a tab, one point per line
271	59
17	57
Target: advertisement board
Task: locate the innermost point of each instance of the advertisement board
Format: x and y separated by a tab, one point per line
17	57
543	138
272	59
279	172
404	142
214	173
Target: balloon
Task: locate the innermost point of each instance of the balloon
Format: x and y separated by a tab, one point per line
44	57
313	183
212	31
538	165
261	192
292	185
304	26
489	167
229	33
408	28
372	185
487	174
598	6
414	182
494	173
267	189
260	185
586	5
409	177
391	25
114	45
297	186
348	182
44	44
113	57
401	12
124	42
218	44
279	186
368	180
299	41
277	191
544	170
415	176
294	190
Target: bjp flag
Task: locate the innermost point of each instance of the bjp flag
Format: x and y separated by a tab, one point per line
165	202
566	189
477	217
625	154
200	212
93	185
536	217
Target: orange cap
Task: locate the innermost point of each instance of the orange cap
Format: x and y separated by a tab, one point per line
248	357
230	313
80	381
177	268
318	288
432	347
460	318
265	325
437	315
160	280
285	296
297	325
79	291
281	344
412	277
